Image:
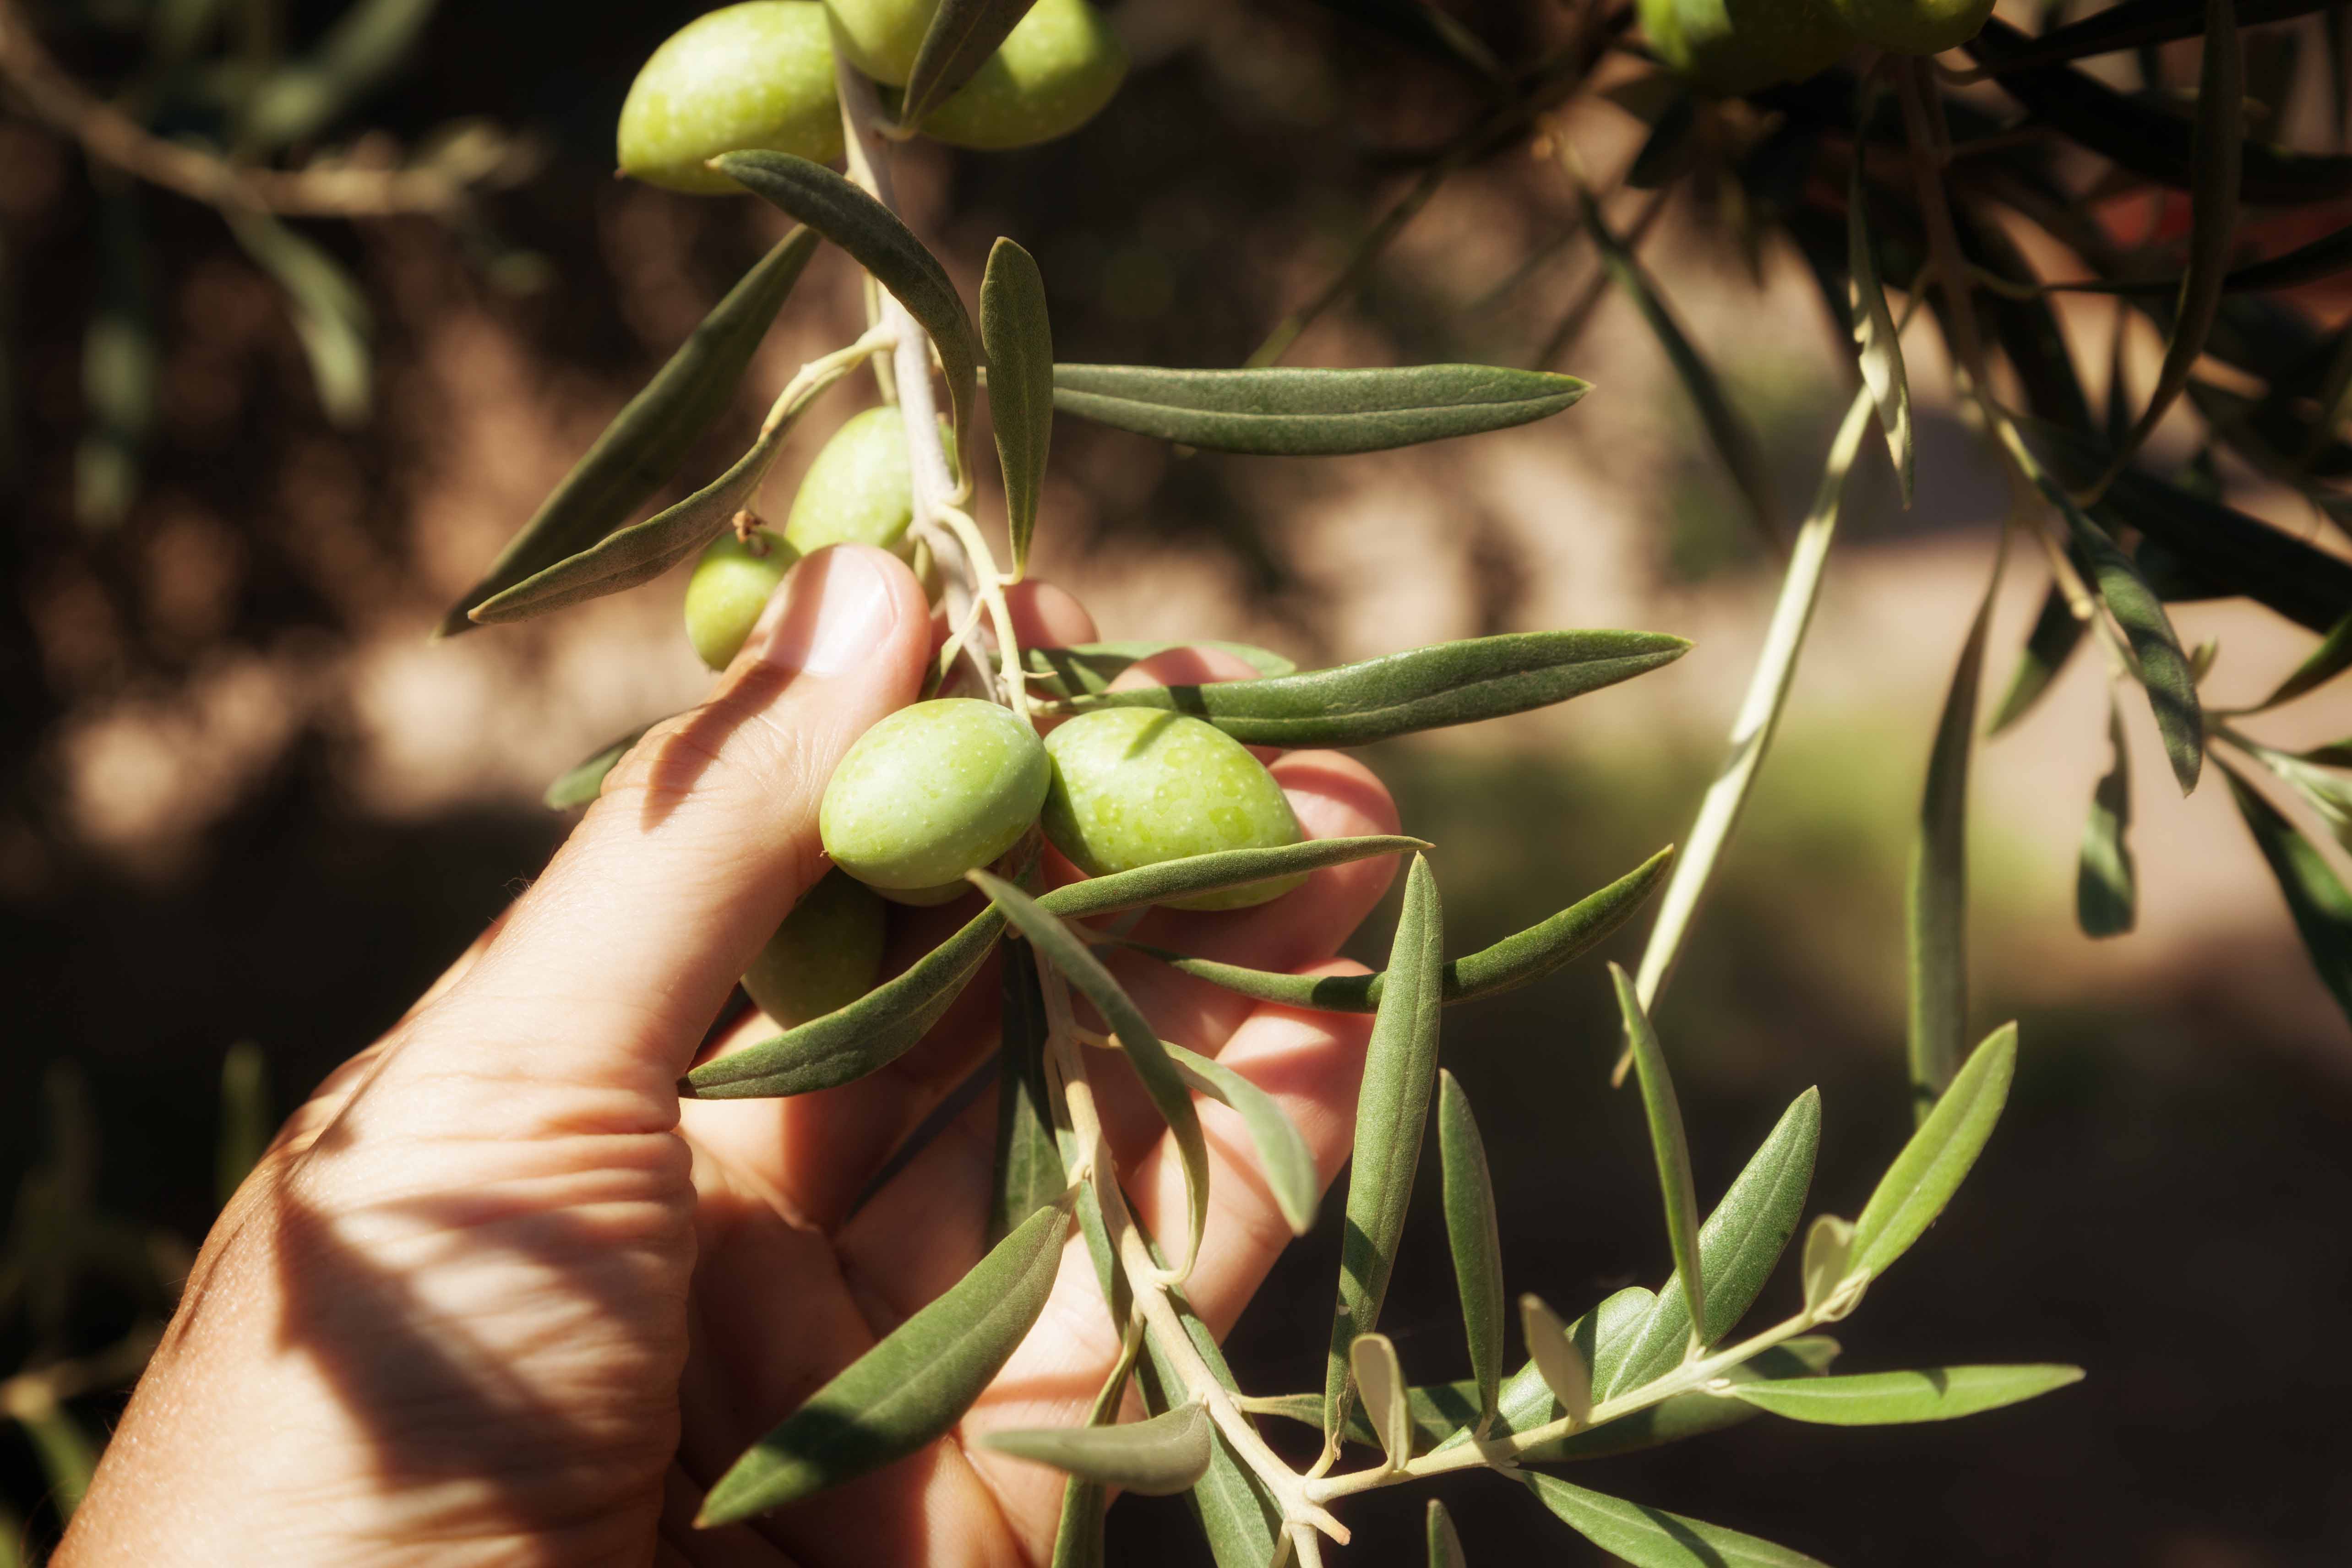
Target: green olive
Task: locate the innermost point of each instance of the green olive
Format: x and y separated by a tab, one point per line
860	490
824	957
1052	74
881	37
729	587
1732	47
932	792
1915	27
755	75
1134	786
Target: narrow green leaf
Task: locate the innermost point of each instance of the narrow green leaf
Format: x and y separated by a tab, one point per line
2057	633
1686	1415
2217	164
2331	658
1014	329
1391	1111
1601	1336
2162	668
1652	1538
2315	896
330	314
874	236
1078	1536
121	363
963	35
1474	1235
1935	1160
1084	668
1828	1264
1445	1545
1436	1411
651	436
1935	892
1557	1359
67	1456
2327	793
1671	1149
1892	1398
881	1025
910	1389
1158	1457
1069	953
1282	1152
2106	889
582	782
1737	1248
1310	413
1027	1173
1878	344
1735	441
247	1125
1381	1381
1398	693
366	43
1517	960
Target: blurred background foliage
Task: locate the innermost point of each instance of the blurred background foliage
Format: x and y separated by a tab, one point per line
247	455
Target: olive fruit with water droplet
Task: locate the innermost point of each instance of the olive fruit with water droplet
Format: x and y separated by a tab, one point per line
930	793
1134	786
1052	73
823	956
758	75
729	587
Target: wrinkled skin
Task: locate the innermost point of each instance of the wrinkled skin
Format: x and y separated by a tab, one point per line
494	1296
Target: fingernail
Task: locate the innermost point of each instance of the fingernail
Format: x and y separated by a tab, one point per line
835	611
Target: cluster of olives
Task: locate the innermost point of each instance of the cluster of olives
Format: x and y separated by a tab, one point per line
952	784
1732	47
761	75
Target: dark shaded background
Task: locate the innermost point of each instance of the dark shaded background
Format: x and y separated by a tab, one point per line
2163	1205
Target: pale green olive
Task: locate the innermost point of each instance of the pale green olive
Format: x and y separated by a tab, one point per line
860	490
1915	26
824	957
1732	47
881	37
1134	786
729	587
929	792
755	75
1052	73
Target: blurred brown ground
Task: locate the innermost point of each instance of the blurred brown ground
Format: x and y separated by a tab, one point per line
247	799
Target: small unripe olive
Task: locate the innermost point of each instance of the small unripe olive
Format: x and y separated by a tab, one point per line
932	792
860	490
1134	786
754	75
1915	27
824	956
1052	73
881	37
728	589
1732	47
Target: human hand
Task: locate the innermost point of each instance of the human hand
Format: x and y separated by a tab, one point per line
495	1295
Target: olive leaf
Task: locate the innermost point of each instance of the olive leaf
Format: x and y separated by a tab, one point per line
2106	896
1078	1535
2324	792
247	1125
2315	897
584	781
2057	633
1563	1371
910	1389
1069	953
1686	1415
1310	413
963	35
122	364
1937	1158
1445	1545
331	320
61	1445
1391	1110
2331	658
1829	1248
1517	960
1891	1398
2161	666
1423	688
1019	339
1157	1457
1374	1360
1027	1173
1282	1151
1601	1336
1652	1538
1670	1150
1737	1248
1082	669
1474	1235
1437	1412
644	444
885	247
1878	343
304	96
881	1025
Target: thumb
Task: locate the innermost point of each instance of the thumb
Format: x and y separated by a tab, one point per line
611	968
